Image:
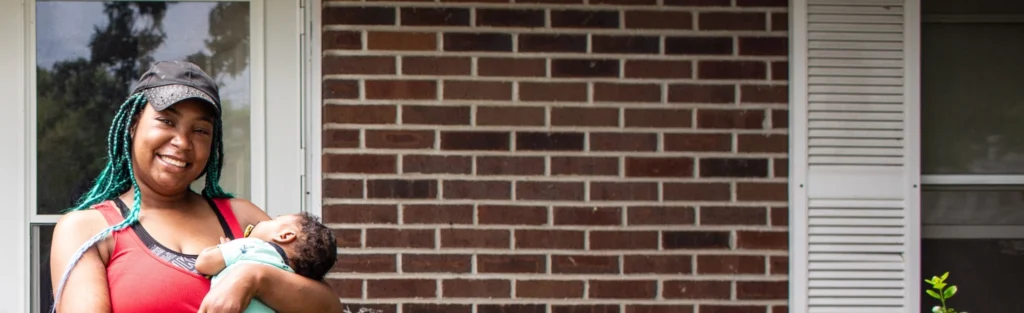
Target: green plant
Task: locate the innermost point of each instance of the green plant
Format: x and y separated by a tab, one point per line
941	292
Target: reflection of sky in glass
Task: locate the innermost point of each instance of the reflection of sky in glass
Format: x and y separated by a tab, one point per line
60	35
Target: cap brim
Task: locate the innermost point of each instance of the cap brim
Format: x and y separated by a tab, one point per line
163	97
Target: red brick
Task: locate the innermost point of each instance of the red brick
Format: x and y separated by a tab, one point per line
695	239
360	214
512	215
548	239
348	238
556	191
356	65
401	41
697	289
763	143
659	167
401	89
733	308
436	66
488	165
401	189
730	119
585	117
623	191
767	46
762	3
359	163
660	215
696	191
701	3
435	115
511	308
587	216
437	214
511	263
631	44
722	215
476	288
436	263
675	118
732	70
340	138
340	89
690	93
659	20
401	288
698	142
762	191
584	264
343	188
419	16
585	166
658	69
399	139
698	45
358	16
668	308
780	216
552	91
730	264
346	288
584	19
623	289
366	263
347	40
477	90
764	94
552	43
780	21
780	309
780	70
360	114
474	140
762	290
657	264
574	68
780	167
623	240
762	240
732	21
480	42
590	308
474	238
509	18
396	238
467	189
510	116
434	308
549	289
511	67
778	265
624	2
780	119
437	164
733	167
623	142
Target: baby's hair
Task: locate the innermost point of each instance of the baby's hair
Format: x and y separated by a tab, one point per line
316	249
117	177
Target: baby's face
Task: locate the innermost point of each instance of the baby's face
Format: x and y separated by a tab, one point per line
276	229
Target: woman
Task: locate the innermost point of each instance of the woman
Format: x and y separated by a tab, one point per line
131	243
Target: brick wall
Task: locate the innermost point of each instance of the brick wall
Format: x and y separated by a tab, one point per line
556	156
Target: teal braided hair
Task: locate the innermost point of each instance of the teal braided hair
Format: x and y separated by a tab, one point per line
117	177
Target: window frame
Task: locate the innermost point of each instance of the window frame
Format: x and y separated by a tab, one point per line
277	33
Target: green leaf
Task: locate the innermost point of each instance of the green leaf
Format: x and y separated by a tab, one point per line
949	292
940	285
944	276
937	309
933	294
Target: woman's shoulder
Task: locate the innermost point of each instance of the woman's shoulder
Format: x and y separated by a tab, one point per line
88	219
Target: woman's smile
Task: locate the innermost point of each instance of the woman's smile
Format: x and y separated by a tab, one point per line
173	162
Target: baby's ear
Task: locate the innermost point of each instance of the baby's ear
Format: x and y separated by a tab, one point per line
286	236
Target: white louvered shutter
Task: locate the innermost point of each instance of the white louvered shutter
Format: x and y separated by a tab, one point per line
855	227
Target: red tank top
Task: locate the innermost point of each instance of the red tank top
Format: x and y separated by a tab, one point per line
141	281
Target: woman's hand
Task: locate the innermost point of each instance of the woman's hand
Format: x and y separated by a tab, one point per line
234	291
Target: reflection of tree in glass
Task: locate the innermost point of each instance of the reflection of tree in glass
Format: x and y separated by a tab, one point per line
77	98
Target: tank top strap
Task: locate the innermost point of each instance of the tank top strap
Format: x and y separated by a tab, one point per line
110	212
223	206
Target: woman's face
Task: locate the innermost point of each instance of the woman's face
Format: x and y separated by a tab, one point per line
171	147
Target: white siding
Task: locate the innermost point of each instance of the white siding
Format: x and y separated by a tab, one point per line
855	144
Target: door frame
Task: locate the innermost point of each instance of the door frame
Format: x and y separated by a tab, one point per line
280	78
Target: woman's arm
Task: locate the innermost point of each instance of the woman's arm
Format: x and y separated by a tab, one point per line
86	289
283	291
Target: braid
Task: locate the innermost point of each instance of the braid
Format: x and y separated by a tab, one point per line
117	177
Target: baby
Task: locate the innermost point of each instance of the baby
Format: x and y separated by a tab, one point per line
297	243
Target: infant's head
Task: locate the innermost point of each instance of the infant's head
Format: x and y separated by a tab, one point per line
310	245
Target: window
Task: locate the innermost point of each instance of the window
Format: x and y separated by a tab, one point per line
972	103
71	63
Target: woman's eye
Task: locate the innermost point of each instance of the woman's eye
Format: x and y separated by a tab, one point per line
165	121
203	131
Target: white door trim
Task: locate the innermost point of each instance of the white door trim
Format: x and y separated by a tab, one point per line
14	279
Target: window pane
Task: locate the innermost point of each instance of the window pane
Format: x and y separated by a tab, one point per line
987	273
88	55
43	296
972	99
972	207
